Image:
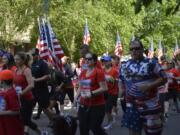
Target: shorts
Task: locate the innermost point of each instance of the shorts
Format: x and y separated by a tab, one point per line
111	101
132	119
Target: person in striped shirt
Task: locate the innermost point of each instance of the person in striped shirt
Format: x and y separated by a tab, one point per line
142	77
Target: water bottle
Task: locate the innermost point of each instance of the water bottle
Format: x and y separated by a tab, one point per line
2	103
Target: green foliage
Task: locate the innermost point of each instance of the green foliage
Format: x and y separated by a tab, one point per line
105	18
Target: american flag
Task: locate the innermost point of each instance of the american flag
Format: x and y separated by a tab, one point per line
86	38
48	45
132	37
160	50
151	50
118	49
176	49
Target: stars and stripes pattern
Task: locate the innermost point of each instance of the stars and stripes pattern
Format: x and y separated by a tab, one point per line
86	38
118	48
160	50
48	45
151	50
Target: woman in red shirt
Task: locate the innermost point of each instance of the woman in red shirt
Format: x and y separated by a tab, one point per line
91	89
24	84
10	121
111	76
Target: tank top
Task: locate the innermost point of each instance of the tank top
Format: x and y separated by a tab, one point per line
20	81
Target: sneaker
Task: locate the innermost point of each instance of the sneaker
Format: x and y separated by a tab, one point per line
44	132
108	126
36	117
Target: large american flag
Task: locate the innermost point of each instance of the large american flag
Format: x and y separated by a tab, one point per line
86	38
151	50
176	49
48	45
118	48
160	50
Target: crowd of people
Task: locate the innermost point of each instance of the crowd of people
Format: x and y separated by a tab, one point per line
144	86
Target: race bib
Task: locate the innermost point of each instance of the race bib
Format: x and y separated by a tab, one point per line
85	88
18	90
2	104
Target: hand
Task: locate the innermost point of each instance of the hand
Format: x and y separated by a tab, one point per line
143	87
34	79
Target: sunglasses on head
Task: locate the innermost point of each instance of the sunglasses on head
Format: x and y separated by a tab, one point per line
89	58
135	48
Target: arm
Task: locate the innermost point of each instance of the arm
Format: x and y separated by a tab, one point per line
8	112
30	81
152	85
43	78
101	89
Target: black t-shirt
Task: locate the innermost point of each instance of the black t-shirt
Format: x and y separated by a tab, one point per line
39	68
56	77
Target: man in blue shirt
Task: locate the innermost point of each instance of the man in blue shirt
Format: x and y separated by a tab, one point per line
142	76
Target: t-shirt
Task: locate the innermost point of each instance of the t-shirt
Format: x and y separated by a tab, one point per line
135	73
11	124
173	83
57	77
39	68
91	83
112	81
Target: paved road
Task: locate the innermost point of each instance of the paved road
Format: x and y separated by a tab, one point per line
171	127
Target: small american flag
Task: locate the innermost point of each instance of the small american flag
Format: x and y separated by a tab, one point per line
151	50
160	50
132	37
86	38
118	49
176	49
48	45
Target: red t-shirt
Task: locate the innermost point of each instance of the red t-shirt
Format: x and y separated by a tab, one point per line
11	124
112	84
175	73
91	83
20	80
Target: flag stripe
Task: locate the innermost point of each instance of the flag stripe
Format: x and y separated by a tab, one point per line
118	48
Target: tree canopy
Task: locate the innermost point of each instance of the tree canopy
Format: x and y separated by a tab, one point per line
104	17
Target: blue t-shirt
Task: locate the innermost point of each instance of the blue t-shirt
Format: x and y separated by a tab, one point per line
134	72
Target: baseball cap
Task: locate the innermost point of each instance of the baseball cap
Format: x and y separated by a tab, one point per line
106	58
6	75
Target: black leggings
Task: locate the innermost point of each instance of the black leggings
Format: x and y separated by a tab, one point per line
91	118
26	113
69	92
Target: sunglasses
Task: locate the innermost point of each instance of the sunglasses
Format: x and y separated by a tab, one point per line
135	48
89	59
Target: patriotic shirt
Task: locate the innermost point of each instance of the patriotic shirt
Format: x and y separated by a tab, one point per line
134	73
